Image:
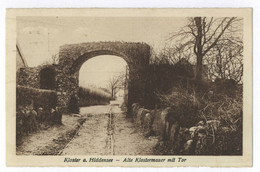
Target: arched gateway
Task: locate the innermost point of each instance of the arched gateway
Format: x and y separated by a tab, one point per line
71	57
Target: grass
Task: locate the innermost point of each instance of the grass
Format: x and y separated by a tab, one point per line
93	96
210	105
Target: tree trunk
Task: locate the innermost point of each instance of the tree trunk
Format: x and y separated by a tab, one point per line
112	93
199	46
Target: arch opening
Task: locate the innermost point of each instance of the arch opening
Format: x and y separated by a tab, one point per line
103	79
72	57
47	78
95	53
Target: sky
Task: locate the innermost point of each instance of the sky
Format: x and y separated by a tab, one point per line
97	71
41	37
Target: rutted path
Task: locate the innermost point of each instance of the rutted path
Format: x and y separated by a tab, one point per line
129	141
98	130
107	132
92	138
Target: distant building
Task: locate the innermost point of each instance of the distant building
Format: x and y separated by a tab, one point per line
35	45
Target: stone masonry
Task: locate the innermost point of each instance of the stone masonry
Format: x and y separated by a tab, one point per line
71	57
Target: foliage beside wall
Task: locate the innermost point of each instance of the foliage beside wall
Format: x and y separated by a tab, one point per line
190	122
90	96
36	97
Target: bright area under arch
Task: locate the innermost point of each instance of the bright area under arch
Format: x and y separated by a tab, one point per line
97	77
97	71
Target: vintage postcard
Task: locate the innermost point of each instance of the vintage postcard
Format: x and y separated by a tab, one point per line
129	87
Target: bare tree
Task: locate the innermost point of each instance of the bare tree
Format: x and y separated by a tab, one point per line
116	83
202	34
225	60
171	54
55	58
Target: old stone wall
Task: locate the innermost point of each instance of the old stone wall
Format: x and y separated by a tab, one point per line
144	79
35	108
29	92
71	57
29	77
173	138
67	87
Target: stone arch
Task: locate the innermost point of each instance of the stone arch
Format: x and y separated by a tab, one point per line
47	78
71	58
85	57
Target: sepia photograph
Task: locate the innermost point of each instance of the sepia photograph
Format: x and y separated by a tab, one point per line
147	88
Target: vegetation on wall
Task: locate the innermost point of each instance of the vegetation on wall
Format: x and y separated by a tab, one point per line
212	107
26	96
215	115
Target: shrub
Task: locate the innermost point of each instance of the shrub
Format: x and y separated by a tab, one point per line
228	109
209	106
93	96
183	106
27	97
36	97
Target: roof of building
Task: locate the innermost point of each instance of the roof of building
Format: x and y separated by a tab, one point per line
21	56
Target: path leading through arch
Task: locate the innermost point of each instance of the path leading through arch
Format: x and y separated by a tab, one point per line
98	130
71	58
107	132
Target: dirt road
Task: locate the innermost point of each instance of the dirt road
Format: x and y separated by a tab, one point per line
98	130
106	131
